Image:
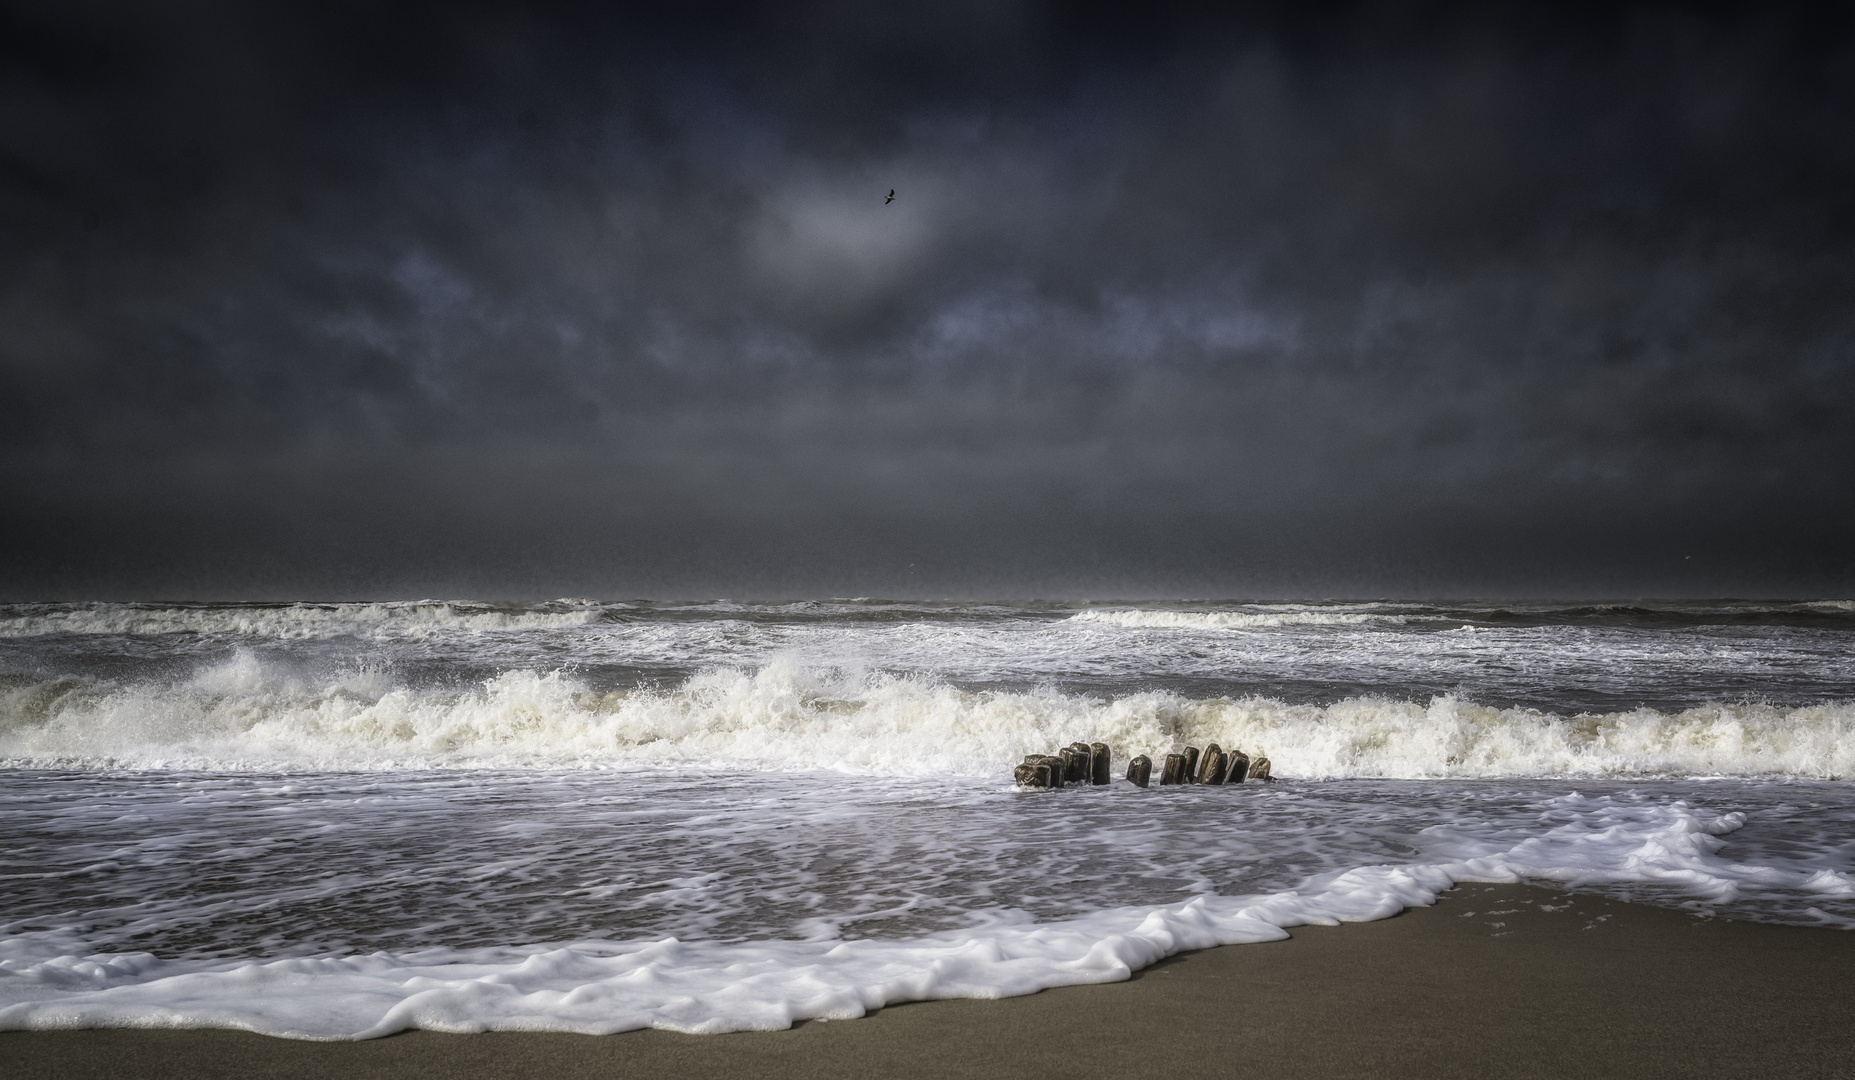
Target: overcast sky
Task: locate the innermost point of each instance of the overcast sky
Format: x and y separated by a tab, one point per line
1388	300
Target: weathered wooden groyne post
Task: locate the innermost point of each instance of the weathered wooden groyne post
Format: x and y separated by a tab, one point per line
1039	771
1211	766
1077	763
1082	763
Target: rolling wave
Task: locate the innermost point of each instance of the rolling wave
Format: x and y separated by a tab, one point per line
1237	620
410	618
245	713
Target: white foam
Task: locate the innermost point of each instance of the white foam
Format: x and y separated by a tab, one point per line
48	981
1271	618
1278	650
242	713
1611	840
689	854
411	619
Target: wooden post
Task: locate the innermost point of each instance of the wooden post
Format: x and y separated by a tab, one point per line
1053	764
1075	765
1215	763
1191	765
1174	772
1202	775
1239	767
1100	759
1140	770
1259	770
1027	776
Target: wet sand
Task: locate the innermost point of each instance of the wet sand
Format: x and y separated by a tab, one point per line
1495	981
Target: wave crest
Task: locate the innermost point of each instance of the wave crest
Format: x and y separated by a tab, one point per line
1234	620
409	618
243	714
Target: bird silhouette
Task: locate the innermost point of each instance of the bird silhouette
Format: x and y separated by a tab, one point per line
891	197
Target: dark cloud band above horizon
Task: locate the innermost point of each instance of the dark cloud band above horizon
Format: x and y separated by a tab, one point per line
1369	300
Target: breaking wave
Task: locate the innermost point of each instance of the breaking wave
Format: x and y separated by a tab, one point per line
410	618
243	713
1237	620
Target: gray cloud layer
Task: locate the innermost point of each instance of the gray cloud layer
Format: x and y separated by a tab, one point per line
1364	303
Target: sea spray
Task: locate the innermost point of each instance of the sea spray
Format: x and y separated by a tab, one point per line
241	714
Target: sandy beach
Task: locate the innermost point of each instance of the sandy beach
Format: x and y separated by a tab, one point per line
1494	981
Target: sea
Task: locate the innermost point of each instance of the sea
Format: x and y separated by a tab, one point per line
344	820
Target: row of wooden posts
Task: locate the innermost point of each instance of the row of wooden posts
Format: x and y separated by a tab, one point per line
1087	763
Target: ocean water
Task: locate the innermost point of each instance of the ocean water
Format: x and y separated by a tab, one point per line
337	821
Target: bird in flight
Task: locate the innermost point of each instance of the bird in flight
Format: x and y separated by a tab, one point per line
891	197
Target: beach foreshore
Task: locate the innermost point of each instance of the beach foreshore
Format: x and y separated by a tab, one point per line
1493	981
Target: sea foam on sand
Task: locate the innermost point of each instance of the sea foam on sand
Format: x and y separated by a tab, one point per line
598	987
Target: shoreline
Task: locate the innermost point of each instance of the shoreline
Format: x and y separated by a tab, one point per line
1493	981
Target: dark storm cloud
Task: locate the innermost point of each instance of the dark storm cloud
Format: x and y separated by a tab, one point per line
1375	299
